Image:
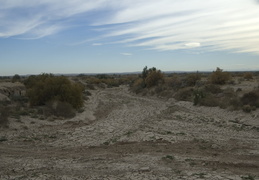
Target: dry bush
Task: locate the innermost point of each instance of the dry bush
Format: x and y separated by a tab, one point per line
212	88
16	78
198	95
251	98
138	85
191	79
93	80
248	76
229	97
184	94
248	108
90	86
4	115
47	87
154	78
111	82
235	103
149	78
209	100
219	77
174	82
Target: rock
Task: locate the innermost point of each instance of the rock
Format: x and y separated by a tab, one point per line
144	169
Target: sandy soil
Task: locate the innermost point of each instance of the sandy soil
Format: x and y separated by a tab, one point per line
124	136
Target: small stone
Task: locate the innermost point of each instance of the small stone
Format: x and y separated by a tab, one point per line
145	169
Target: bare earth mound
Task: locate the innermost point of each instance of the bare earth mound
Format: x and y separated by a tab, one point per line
123	136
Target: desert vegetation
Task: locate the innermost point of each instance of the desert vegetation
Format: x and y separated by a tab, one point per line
48	95
151	124
45	88
204	89
40	96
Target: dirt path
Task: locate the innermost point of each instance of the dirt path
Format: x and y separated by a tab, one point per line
124	136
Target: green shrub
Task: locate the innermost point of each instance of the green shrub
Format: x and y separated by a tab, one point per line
149	78
145	73
198	95
46	87
219	77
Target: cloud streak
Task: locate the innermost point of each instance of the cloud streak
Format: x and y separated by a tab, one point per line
161	25
37	19
211	25
126	54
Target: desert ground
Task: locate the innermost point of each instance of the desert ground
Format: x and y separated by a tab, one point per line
121	135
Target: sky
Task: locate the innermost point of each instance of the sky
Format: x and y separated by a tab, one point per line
112	36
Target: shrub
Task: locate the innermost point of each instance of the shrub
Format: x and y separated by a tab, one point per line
184	94
111	82
219	77
4	114
174	82
193	78
59	109
251	98
145	73
247	108
16	78
138	85
198	95
235	103
153	78
209	100
46	87
248	76
90	86
212	88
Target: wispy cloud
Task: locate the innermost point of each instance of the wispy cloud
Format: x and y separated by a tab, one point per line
161	25
97	44
126	54
41	18
211	25
193	44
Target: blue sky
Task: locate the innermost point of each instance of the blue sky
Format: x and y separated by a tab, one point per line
103	36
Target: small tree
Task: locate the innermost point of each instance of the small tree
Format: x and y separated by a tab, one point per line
219	77
16	78
144	73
